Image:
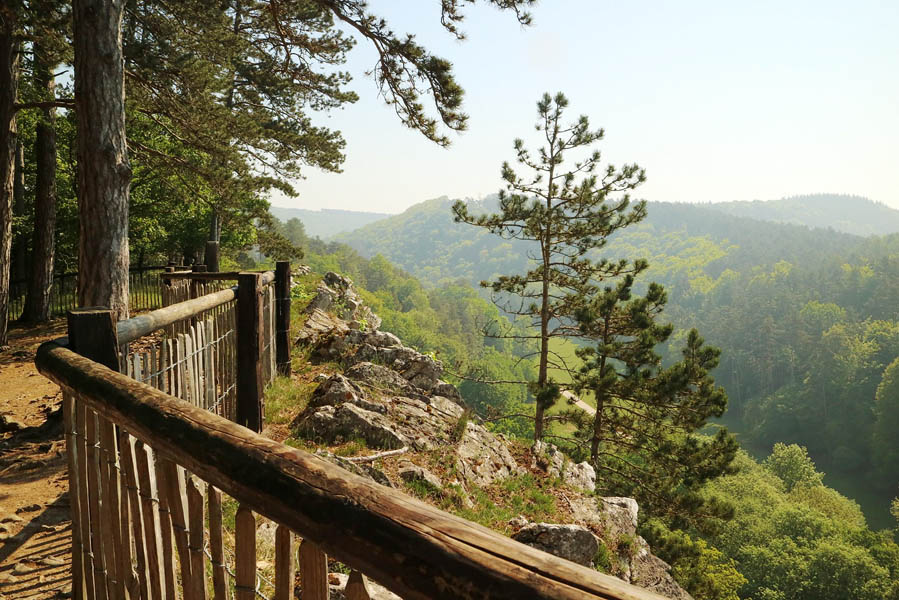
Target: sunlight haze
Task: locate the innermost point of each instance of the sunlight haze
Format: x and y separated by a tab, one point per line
717	101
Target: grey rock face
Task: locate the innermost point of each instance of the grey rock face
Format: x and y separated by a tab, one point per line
379	377
338	581
361	469
620	516
338	390
336	425
580	476
571	542
412	472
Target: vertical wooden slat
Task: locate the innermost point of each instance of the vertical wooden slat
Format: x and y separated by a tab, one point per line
95	500
285	563
356	588
216	547
154	368
176	498
149	496
179	369
210	364
118	560
191	356
197	531
313	571
165	531
135	513
79	579
245	554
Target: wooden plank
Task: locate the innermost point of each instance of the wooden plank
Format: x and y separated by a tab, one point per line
149	497
313	571
95	502
197	531
356	588
249	351
285	563
135	513
245	554
208	353
176	496
325	503
216	545
165	529
118	559
69	406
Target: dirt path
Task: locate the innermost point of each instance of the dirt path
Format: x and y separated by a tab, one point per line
34	511
573	399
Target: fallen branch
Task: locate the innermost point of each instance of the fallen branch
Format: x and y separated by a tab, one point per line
362	459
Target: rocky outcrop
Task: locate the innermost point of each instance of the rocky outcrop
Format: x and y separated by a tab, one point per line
571	542
411	472
551	460
393	397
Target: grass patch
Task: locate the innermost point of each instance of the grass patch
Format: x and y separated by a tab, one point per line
496	505
285	398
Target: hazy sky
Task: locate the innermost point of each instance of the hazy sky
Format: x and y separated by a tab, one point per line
717	100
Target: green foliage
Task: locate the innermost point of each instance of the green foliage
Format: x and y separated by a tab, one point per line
804	544
567	211
792	465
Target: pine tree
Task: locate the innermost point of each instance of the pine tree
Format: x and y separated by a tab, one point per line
569	212
643	438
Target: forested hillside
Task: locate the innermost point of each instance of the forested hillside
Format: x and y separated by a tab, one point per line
327	222
849	214
805	318
791	536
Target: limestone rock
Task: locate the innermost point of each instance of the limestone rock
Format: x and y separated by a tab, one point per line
580	476
338	390
651	572
380	377
337	582
619	516
571	542
361	469
483	458
411	472
10	424
346	422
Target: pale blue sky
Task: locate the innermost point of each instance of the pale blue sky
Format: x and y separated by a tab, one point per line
717	100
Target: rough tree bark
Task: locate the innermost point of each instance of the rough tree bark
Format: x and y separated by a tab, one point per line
104	173
9	81
40	281
19	246
211	254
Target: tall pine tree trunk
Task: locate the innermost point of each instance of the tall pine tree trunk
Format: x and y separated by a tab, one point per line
9	80
19	246
40	283
103	169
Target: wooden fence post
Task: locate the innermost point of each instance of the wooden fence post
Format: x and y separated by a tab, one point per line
92	333
211	256
282	317
249	351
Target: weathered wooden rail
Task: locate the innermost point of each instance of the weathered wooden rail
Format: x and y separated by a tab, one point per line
148	471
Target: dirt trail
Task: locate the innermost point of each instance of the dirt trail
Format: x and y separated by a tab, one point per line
35	527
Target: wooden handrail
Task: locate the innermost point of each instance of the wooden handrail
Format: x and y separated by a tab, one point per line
412	548
137	327
267	276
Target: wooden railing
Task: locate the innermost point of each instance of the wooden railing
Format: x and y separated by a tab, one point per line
150	475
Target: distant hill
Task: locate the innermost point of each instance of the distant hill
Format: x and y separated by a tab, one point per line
680	240
849	214
327	222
